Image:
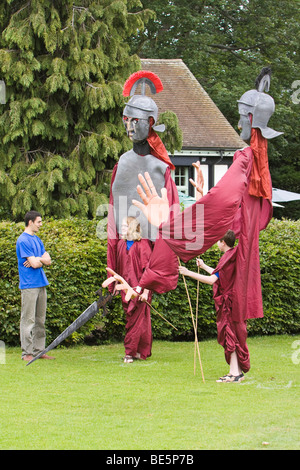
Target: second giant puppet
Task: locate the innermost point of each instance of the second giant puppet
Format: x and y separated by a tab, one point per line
147	155
241	201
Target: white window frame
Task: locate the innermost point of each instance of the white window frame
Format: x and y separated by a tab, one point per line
183	188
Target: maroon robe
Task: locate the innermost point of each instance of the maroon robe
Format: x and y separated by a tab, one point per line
232	335
130	265
201	225
227	206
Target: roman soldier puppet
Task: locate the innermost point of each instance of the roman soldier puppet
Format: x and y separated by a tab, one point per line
148	154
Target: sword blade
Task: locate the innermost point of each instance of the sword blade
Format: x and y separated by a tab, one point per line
89	313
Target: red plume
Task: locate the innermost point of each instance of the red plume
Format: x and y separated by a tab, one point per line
138	76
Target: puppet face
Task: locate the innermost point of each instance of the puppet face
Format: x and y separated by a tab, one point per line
244	123
137	129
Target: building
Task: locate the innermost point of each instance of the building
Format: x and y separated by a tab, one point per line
207	135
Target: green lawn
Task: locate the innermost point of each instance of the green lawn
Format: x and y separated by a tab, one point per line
89	399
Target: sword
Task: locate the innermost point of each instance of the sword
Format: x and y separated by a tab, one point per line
89	313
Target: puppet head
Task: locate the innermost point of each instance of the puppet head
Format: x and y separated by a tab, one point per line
256	108
141	111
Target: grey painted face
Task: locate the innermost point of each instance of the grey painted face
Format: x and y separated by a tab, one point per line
137	129
244	122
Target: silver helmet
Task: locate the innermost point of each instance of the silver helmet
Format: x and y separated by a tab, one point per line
142	106
260	105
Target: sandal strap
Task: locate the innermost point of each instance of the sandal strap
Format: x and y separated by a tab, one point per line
229	378
128	358
225	378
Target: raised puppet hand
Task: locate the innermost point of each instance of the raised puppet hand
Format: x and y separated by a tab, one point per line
155	208
121	284
200	181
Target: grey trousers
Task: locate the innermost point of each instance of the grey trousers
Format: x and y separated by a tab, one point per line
32	324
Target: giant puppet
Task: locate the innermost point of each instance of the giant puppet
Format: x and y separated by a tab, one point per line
133	261
241	201
148	154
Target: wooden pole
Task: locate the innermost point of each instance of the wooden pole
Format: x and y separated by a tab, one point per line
152	308
191	310
197	306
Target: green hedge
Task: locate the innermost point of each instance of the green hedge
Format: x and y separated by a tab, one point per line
78	269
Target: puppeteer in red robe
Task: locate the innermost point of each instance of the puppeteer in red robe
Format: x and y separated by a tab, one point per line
131	264
232	335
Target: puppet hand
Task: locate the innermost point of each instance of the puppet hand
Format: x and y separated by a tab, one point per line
200	181
108	281
122	284
154	207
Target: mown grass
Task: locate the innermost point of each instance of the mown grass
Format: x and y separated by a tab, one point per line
87	398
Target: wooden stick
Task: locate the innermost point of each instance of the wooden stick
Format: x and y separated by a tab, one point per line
152	308
197	306
191	310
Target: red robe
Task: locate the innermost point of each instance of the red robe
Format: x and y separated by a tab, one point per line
232	335
130	265
227	205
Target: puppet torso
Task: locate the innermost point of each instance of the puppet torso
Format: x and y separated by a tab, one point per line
125	183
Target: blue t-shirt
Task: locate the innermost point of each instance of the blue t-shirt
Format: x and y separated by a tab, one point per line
30	245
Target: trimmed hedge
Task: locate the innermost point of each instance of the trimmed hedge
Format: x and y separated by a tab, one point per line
78	269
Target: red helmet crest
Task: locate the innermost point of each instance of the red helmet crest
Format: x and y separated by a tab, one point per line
143	77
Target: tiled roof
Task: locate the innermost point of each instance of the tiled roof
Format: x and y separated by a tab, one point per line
202	123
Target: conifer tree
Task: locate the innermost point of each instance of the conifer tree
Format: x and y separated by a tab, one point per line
64	65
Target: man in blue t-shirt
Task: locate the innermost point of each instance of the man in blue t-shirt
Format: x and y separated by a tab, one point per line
32	257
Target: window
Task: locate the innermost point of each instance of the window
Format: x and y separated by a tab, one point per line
181	178
219	172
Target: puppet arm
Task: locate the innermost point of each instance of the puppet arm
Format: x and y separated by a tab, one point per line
199	277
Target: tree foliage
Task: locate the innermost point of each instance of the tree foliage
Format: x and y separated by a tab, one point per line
64	65
225	43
